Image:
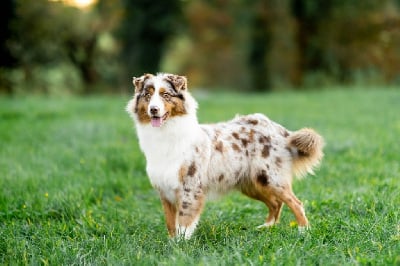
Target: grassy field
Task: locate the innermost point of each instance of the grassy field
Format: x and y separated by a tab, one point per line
73	188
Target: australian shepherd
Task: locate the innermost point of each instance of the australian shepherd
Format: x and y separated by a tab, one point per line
188	161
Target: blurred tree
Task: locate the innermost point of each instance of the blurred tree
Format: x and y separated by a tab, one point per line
212	49
260	45
7	14
347	41
309	14
145	29
51	33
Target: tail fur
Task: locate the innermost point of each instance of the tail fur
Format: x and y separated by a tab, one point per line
306	147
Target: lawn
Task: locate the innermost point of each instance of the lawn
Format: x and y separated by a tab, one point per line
73	189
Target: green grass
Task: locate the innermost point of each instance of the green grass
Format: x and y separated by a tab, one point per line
73	188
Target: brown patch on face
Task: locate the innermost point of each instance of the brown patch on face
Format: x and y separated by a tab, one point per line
142	103
278	162
192	169
219	146
174	104
235	147
262	178
265	151
141	111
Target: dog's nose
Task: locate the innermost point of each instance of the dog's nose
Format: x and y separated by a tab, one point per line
154	110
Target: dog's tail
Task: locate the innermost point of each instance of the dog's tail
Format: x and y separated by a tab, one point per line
306	147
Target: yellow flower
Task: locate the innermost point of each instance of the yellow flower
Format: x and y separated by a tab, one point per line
293	224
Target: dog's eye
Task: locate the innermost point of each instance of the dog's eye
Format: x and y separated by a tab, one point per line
166	95
147	96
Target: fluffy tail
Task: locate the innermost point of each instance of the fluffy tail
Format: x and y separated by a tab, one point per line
306	147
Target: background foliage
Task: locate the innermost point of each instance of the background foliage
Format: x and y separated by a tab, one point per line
56	47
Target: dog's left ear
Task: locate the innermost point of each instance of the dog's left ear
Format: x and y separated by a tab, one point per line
179	82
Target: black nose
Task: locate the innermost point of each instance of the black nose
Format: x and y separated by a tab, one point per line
154	110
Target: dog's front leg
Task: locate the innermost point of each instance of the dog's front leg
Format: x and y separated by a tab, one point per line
170	215
190	206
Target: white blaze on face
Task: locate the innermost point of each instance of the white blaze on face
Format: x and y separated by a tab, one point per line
156	103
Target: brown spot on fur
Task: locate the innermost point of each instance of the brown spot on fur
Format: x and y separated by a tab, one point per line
192	169
264	139
221	177
251	135
252	121
285	133
182	173
265	151
235	135
278	162
235	147
262	178
244	142
185	204
219	146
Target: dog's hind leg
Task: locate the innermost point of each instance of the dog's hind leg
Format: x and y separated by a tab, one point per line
262	192
274	206
288	197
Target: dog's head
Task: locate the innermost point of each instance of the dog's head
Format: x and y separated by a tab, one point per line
159	98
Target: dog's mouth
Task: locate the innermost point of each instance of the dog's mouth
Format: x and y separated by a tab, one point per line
157	121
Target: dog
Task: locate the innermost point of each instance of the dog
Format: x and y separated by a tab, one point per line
187	161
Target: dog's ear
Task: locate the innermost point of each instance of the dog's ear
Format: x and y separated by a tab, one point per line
179	82
139	82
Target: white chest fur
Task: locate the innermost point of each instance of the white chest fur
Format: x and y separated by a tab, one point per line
166	149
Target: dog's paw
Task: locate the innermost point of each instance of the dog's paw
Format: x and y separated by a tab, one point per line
304	229
266	225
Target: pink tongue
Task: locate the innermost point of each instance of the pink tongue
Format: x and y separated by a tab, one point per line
156	121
